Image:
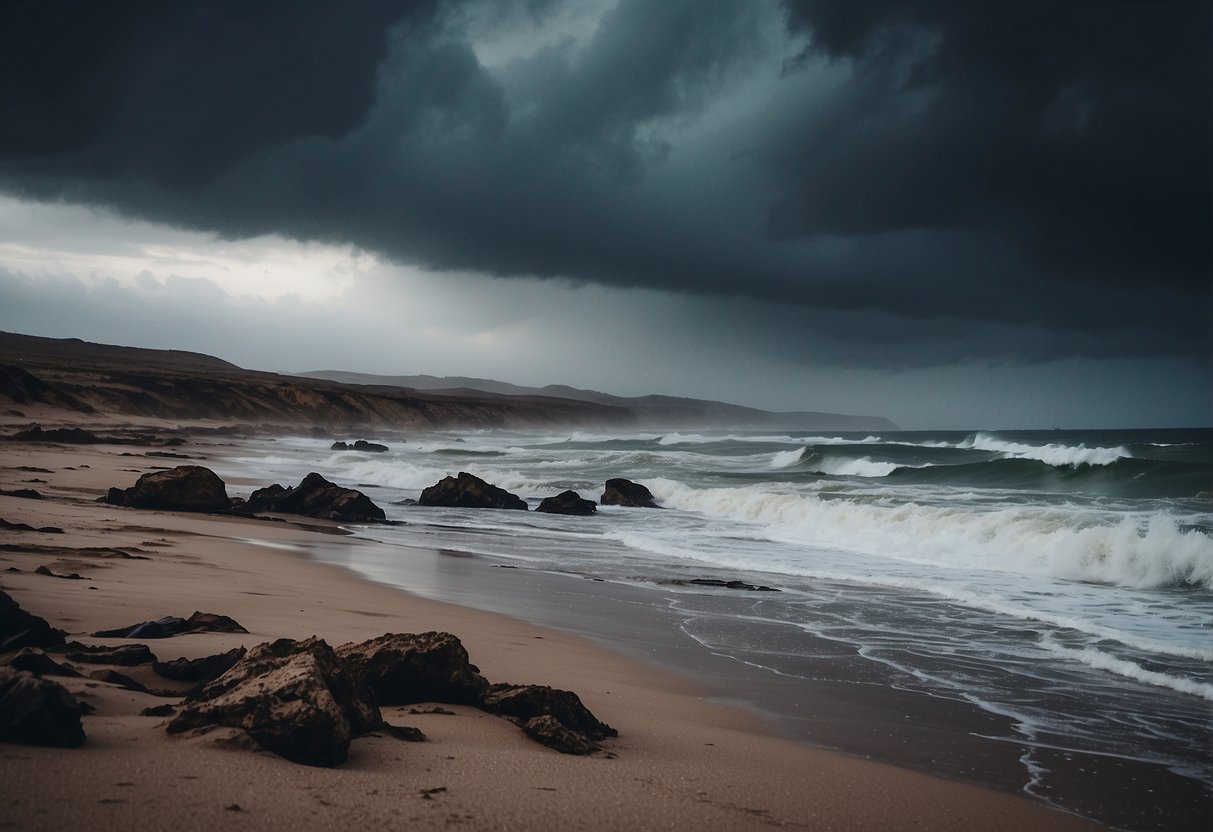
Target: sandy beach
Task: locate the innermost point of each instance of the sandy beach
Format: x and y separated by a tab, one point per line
680	761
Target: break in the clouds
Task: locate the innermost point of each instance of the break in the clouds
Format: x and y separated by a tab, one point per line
1039	168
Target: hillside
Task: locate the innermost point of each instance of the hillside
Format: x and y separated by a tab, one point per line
84	377
650	411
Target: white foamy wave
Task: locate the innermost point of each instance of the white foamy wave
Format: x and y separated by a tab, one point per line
1138	550
862	467
1131	670
1051	454
784	459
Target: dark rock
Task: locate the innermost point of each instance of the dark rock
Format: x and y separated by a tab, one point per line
69	576
25	527
41	664
184	488
369	447
568	502
211	622
171	625
159	710
35	711
620	492
551	732
339	446
126	655
535	708
26	493
199	670
469	491
403	668
403	732
315	497
19	628
731	585
294	698
113	677
69	436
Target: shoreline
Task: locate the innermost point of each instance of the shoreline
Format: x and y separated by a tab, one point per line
681	761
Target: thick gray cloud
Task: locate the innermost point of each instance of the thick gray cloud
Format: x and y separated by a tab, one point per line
924	182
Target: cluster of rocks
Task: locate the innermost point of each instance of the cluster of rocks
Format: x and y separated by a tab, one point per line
360	445
469	491
67	436
313	497
303	700
195	488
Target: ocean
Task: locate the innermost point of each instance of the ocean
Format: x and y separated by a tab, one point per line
1043	599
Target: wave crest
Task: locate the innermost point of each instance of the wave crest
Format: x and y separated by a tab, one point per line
1139	550
1051	454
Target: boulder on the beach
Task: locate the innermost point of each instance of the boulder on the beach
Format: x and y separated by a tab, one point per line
125	655
404	668
199	670
469	491
339	446
117	679
556	718
19	628
184	488
171	625
24	493
568	502
621	492
315	497
40	664
296	699
36	711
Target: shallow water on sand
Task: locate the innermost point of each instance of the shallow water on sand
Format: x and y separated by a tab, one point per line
1043	599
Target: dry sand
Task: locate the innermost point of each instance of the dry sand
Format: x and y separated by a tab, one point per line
680	762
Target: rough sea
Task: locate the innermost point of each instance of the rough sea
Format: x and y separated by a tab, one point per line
1058	582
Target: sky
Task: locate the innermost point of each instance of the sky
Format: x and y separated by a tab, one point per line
951	214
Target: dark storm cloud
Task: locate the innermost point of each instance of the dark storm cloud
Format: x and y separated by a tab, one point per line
920	165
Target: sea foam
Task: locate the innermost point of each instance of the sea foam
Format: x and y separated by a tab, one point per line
1051	454
1137	550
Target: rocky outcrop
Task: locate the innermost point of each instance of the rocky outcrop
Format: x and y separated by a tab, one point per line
314	497
26	527
184	488
731	585
36	711
296	699
19	628
469	491
171	625
41	664
568	502
405	668
621	492
20	387
360	445
556	718
199	670
126	655
24	493
67	436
